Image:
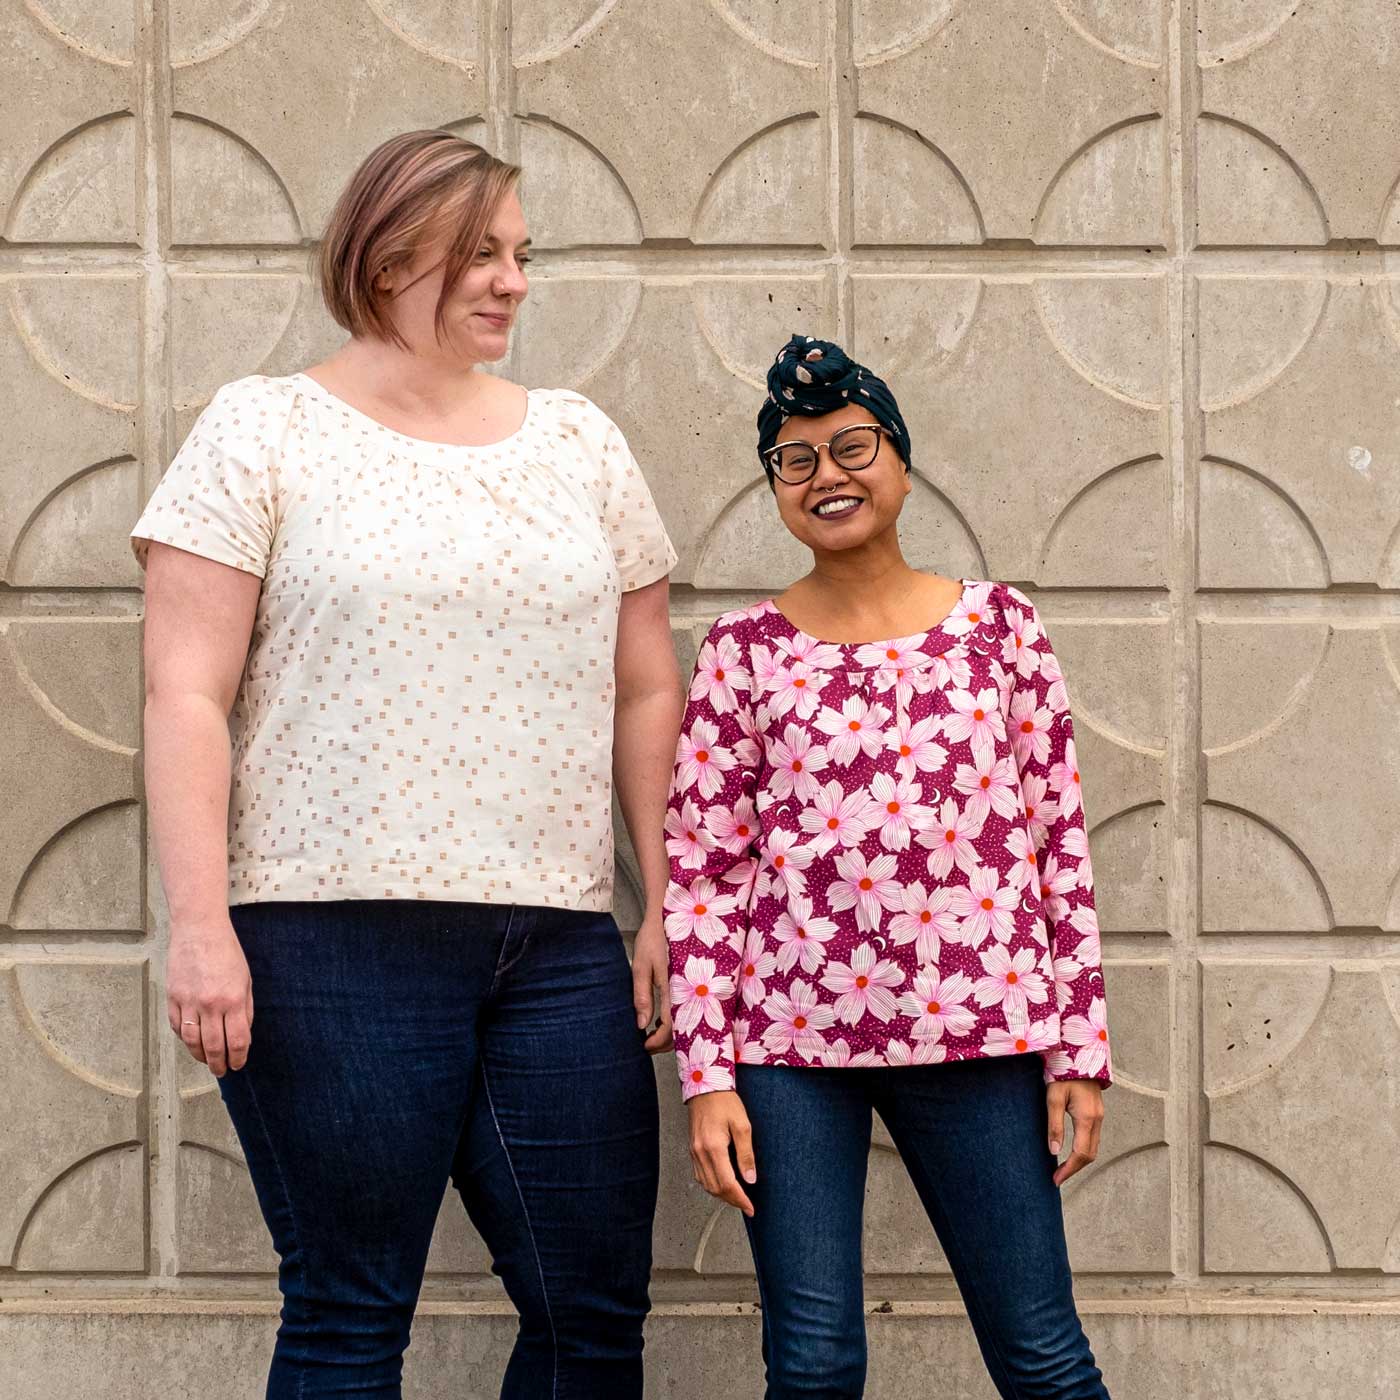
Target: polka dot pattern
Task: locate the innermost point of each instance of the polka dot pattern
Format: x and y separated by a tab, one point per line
427	707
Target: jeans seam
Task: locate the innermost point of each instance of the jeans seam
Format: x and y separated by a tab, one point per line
529	1227
291	1216
501	965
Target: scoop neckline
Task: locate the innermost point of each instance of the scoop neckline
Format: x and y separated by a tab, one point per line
938	627
428	444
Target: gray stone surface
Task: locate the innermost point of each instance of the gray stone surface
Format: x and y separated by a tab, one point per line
1247	1351
1125	263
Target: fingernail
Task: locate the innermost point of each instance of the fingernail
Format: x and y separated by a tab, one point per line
1055	1147
751	1177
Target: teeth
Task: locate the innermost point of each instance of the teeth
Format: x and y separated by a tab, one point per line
830	507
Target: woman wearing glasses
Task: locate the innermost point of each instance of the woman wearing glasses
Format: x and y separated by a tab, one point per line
882	899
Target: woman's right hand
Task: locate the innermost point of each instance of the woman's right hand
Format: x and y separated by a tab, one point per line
209	994
716	1120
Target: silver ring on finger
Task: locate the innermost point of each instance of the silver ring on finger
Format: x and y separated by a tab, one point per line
189	1023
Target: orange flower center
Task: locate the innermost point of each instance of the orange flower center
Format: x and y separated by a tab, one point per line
700	909
988	904
719	675
1010	978
832	823
925	917
742	830
799	1023
702	990
798	683
696	1076
904	751
1027	726
703	756
866	882
778	862
1022	1046
862	982
934	1008
974	618
892	653
892	807
984	782
979	715
1103	1035
854	726
749	969
950	836
797	765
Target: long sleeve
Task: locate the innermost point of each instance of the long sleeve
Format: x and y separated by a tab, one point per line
712	839
1042	737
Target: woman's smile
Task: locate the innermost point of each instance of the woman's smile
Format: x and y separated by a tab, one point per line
837	507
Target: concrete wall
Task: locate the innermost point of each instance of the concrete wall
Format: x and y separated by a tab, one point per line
1125	262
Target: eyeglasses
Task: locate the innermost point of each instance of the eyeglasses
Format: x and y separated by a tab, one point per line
852	448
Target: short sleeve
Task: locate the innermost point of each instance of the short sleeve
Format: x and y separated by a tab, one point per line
217	498
640	544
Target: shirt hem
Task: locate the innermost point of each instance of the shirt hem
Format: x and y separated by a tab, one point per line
688	1092
486	890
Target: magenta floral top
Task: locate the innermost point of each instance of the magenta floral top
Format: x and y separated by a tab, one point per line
878	851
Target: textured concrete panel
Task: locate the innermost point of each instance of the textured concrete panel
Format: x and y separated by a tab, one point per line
1079	461
1035	106
1291	1112
1318	86
390	67
69	482
84	674
1116	675
225	326
72	1079
1339	818
701	351
746	176
1259	1351
1305	407
67	166
67	770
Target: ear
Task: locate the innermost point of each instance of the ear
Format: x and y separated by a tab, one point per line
908	479
383	283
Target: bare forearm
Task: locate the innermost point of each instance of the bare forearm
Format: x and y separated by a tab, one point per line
187	793
644	750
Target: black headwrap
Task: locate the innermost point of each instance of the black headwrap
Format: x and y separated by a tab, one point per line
813	377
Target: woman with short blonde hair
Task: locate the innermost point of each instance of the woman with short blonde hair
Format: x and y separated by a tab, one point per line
405	622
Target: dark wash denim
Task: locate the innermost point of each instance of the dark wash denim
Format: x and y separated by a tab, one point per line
973	1136
397	1043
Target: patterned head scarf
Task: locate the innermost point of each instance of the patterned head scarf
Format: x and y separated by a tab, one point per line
813	377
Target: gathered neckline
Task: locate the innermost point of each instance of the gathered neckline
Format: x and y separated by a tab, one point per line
428	445
937	630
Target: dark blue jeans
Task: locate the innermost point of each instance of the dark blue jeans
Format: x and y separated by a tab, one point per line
973	1137
398	1043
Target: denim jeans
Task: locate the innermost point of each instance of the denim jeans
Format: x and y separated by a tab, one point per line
398	1043
973	1138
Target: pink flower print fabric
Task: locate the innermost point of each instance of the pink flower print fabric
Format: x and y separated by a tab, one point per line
878	851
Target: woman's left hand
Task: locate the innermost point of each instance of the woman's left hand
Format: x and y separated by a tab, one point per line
1082	1099
650	979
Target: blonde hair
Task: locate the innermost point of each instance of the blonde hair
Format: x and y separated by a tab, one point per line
412	190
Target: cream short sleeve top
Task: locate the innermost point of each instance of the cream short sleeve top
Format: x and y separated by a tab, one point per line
427	706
